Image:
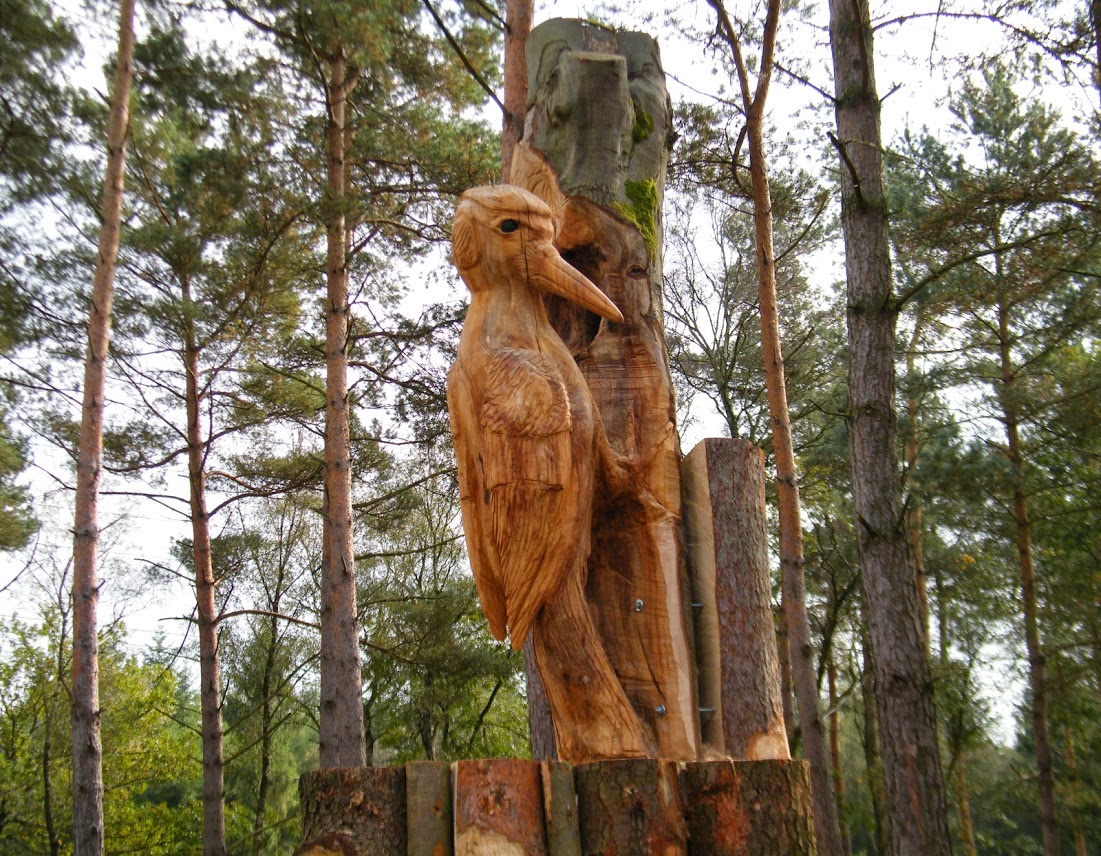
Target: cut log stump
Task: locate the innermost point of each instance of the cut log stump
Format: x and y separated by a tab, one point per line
358	811
628	807
499	808
748	808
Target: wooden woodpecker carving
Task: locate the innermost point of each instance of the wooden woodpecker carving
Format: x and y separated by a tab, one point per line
531	453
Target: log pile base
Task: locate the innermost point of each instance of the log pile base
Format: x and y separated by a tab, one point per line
640	807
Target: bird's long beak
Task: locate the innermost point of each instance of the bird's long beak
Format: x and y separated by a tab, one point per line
549	272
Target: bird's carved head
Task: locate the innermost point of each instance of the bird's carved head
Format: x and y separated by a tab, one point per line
503	237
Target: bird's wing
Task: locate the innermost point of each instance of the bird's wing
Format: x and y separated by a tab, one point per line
466	434
529	506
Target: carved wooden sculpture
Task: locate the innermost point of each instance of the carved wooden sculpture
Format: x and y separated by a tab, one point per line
530	444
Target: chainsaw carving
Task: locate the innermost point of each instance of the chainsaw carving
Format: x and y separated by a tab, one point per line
531	452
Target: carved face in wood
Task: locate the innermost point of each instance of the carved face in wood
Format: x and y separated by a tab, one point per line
503	238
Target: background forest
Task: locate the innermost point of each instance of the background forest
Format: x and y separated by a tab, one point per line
216	388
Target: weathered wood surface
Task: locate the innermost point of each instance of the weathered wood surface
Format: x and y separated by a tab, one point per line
514	807
529	445
630	806
353	810
748	808
428	808
725	533
499	808
597	136
560	807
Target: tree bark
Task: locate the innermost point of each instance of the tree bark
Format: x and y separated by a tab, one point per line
630	806
835	753
914	523
518	16
87	748
210	690
872	762
342	741
358	811
1037	662
748	808
727	545
793	581
903	683
963	806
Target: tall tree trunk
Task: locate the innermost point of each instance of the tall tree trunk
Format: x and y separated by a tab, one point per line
342	743
518	16
903	683
266	717
1037	664
210	690
87	749
914	523
793	582
963	806
787	699
872	762
1072	765
47	797
835	753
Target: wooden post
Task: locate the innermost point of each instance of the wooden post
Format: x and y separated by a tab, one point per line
358	811
599	119
748	808
499	808
560	806
630	806
428	808
724	489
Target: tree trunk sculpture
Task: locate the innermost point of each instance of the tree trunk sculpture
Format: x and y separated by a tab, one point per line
597	134
529	444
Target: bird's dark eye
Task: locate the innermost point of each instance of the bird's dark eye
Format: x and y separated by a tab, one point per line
508	226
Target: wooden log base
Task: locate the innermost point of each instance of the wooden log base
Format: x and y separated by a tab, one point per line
511	807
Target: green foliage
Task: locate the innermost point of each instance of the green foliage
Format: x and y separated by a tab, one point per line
148	770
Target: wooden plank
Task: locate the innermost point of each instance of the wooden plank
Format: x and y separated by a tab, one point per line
362	808
428	808
748	808
499	808
728	547
630	806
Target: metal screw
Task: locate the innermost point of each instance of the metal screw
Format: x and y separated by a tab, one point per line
660	710
638	605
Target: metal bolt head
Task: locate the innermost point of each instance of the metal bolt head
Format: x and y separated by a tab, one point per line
638	605
660	710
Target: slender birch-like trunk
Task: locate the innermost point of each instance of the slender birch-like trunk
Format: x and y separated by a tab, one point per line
793	581
342	742
87	750
903	681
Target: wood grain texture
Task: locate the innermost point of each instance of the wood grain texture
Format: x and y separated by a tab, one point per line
529	443
361	808
499	808
728	544
597	133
